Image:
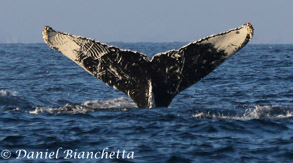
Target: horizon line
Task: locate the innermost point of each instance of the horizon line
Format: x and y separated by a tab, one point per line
159	42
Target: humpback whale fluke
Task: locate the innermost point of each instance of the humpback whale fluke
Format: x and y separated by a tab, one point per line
155	82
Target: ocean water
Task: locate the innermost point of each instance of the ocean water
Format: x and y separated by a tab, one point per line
242	111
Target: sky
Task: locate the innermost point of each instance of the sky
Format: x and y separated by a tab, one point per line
22	21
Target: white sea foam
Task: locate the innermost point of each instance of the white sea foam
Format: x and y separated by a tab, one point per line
256	112
88	106
6	92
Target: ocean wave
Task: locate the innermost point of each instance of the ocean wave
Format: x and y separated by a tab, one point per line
10	101
255	112
2	52
88	106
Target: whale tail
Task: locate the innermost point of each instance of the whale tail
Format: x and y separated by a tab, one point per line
155	82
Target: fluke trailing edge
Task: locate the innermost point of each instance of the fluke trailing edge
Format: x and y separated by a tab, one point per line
155	82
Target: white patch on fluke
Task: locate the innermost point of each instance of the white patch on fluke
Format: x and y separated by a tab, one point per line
62	42
230	41
150	95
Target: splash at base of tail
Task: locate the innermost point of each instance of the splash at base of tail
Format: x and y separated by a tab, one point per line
155	82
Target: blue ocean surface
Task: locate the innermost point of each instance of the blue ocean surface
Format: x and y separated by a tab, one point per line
242	111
